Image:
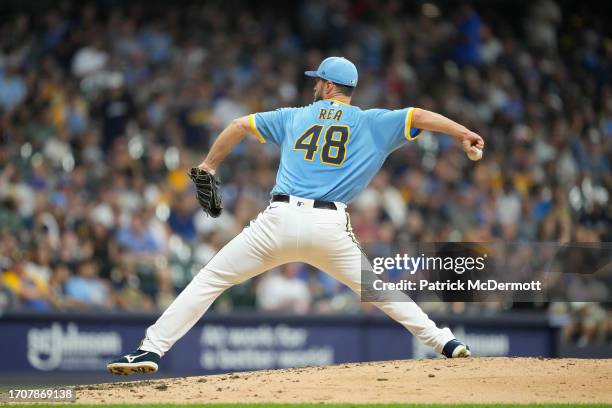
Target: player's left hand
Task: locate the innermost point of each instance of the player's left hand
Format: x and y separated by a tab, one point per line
207	188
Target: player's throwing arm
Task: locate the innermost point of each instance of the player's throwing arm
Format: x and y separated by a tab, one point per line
471	143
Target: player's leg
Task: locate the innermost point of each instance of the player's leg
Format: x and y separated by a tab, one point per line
253	251
337	252
238	261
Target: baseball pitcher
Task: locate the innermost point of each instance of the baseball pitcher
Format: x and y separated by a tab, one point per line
330	150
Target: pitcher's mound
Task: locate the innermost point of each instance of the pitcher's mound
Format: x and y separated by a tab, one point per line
485	380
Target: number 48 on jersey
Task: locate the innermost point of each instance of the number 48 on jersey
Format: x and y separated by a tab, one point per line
333	151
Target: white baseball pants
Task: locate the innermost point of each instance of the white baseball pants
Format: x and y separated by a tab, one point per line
283	233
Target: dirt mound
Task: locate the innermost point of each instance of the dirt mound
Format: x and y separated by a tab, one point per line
485	380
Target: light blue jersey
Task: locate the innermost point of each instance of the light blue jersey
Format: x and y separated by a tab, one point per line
330	150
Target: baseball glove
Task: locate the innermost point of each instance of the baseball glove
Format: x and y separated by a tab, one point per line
207	187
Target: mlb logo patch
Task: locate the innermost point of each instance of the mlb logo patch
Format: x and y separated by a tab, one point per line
300	203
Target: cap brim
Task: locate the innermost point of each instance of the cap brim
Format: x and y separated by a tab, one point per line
312	74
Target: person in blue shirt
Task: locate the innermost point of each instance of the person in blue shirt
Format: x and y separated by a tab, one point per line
86	289
330	150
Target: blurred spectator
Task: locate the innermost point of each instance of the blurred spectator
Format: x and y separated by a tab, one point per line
541	25
182	217
31	289
587	325
86	289
467	50
136	238
12	89
115	109
89	59
128	294
57	283
8	300
283	291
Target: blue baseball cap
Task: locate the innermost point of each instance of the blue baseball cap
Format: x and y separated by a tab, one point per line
338	70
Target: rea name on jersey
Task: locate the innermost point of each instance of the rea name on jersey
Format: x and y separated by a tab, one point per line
330	150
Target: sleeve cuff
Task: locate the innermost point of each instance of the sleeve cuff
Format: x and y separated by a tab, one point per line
408	128
254	129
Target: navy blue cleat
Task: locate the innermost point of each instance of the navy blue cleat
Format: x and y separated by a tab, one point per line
456	349
139	361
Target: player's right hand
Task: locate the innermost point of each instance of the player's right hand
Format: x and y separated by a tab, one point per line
472	145
471	139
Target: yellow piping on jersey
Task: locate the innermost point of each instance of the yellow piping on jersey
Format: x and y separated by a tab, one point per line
409	125
254	128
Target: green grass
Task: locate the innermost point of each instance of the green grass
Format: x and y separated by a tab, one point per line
325	405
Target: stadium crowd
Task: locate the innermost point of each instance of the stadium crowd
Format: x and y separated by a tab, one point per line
104	109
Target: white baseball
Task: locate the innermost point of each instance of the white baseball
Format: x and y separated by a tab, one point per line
475	154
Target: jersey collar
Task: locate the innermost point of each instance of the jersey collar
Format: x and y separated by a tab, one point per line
337	101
